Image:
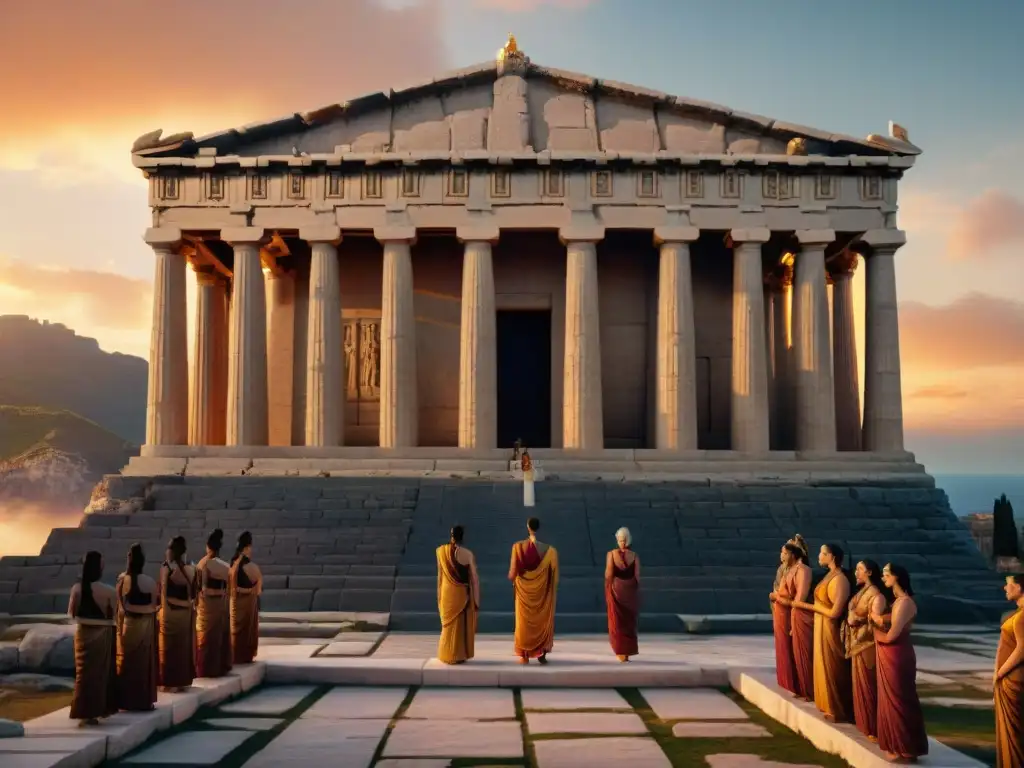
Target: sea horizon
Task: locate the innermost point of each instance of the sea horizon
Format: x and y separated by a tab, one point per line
969	493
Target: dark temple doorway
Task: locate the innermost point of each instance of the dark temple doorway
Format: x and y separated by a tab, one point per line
524	378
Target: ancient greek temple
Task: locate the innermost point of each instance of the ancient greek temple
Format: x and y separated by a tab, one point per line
517	252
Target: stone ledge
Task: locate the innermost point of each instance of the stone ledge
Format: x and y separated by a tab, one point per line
844	740
487	673
118	735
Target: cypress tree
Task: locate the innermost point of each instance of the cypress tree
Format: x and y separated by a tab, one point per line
1005	542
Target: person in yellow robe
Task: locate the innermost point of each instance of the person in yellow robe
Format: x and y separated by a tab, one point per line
534	576
458	599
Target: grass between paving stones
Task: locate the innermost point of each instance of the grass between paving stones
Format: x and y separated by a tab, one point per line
971	731
785	745
21	705
250	747
399	713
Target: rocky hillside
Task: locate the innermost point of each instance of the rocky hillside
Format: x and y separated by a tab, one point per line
55	455
48	365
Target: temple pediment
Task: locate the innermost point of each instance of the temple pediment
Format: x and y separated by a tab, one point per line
497	109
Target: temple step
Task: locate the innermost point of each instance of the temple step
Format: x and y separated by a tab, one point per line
367	543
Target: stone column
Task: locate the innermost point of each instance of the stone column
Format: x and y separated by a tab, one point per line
883	396
247	349
399	412
209	366
325	363
676	365
815	393
167	398
280	287
583	415
781	386
750	422
844	354
478	361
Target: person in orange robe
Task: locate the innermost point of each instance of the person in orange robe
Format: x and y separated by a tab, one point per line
458	599
801	623
833	684
901	733
534	576
860	645
1008	680
622	596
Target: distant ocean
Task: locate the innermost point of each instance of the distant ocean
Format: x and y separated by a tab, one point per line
975	493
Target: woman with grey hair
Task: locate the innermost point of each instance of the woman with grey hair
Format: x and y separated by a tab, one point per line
622	595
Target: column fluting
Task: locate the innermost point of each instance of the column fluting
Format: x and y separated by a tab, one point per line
167	395
583	413
325	373
478	362
750	421
815	393
676	366
399	413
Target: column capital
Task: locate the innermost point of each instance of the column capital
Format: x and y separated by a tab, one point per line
751	235
243	235
819	237
395	233
166	238
206	277
843	264
478	232
675	234
321	234
581	233
888	240
779	277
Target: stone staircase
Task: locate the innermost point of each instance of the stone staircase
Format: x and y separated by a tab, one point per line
367	543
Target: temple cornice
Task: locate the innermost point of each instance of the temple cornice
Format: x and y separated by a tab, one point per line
545	158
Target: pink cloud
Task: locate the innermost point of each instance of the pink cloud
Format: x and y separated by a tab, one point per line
514	6
976	331
108	66
987	224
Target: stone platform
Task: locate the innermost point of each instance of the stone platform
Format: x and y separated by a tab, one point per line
583	708
364	540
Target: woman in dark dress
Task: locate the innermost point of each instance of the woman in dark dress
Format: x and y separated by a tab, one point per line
246	583
901	733
213	623
177	619
92	607
622	596
137	663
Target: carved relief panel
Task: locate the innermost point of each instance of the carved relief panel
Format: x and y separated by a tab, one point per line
362	360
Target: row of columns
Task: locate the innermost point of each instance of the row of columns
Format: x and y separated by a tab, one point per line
826	411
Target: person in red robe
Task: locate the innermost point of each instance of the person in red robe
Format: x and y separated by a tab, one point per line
801	622
901	733
781	595
622	595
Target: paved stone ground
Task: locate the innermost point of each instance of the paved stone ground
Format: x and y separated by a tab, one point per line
596	711
398	727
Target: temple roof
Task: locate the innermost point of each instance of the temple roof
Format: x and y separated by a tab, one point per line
497	109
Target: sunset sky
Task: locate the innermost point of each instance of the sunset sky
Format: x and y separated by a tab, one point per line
81	80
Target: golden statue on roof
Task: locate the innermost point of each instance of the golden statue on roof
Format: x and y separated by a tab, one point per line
510	59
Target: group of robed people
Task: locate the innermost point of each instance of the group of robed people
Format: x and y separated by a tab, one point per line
845	644
144	634
533	572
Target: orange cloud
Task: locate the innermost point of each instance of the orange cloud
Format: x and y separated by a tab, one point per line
100	73
975	331
987	224
102	299
939	392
